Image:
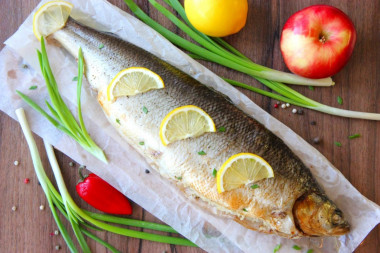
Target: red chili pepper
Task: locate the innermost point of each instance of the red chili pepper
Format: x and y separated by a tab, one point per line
102	196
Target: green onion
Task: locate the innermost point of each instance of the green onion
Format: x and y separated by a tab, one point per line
79	218
145	110
310	251
118	121
33	87
222	56
179	178
62	117
337	143
201	152
255	186
75	78
222	129
296	247
245	210
340	100
218	51
101	46
141	143
354	136
277	248
214	172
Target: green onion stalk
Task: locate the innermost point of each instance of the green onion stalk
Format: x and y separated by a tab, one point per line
81	219
61	117
218	51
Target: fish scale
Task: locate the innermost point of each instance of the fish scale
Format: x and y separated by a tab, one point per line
290	204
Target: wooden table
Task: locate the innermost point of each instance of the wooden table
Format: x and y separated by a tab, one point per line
28	228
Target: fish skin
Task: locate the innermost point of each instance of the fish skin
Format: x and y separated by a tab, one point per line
291	204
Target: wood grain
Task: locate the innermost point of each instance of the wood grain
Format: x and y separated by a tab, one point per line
28	229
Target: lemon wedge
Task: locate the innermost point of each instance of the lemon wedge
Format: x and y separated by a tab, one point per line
51	17
132	81
185	122
242	169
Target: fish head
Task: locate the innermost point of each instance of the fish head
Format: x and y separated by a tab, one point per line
316	215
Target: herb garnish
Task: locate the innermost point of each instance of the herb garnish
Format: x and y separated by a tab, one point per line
219	51
340	100
245	210
311	87
354	136
75	78
101	46
33	87
60	200
214	172
277	248
337	143
145	110
179	178
310	251
141	143
201	152
118	121
255	186
222	129
62	118
296	247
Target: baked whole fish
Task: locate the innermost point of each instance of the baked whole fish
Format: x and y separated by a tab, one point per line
290	204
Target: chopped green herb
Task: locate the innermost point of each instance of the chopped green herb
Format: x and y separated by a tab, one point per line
340	100
214	171
101	46
296	247
179	178
145	110
118	121
75	79
277	248
201	152
245	210
354	136
33	87
311	87
254	186
141	143
222	129
337	143
310	251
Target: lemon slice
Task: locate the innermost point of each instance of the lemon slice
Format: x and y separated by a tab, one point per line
185	122
51	17
242	169
132	81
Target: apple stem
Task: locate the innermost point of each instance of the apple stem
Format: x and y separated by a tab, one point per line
322	39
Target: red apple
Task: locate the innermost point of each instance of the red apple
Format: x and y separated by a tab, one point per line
317	41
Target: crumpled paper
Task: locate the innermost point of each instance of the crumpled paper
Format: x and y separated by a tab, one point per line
195	220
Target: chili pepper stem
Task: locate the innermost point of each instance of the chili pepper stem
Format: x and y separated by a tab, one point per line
82	178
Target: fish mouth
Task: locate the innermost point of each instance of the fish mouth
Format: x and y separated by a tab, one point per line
315	215
340	225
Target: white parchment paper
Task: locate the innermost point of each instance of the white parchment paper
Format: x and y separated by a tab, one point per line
19	70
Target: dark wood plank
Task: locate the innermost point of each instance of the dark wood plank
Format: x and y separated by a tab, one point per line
28	229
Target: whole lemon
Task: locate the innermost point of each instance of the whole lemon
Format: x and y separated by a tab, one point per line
217	18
